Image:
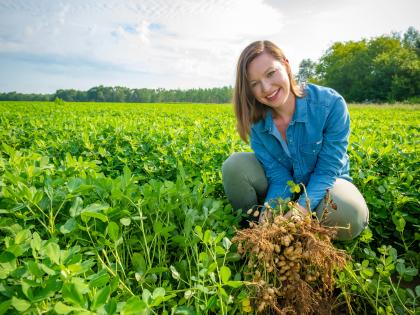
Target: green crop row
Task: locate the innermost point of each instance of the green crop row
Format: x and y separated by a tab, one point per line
120	209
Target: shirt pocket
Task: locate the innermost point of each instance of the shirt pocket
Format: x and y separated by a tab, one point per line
309	152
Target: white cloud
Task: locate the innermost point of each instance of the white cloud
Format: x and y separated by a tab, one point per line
172	43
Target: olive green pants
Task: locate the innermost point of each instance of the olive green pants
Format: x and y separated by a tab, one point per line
245	185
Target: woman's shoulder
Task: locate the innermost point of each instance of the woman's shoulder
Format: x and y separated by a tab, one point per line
262	126
320	94
259	125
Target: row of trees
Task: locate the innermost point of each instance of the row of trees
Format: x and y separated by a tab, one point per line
384	68
123	94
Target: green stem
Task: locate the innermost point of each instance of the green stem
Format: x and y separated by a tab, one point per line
399	299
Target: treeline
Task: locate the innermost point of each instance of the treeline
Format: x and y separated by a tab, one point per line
382	69
123	94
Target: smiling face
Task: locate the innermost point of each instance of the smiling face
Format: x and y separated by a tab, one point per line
269	81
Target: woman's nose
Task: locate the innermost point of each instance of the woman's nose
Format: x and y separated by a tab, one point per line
265	86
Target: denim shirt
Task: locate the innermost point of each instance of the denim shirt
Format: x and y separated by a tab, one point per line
316	150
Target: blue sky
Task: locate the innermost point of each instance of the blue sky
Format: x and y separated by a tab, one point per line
47	45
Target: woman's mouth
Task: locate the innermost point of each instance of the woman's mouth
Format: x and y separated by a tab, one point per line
273	95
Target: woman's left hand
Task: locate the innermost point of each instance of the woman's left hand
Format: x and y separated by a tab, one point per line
296	207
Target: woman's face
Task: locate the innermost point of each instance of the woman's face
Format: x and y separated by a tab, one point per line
269	81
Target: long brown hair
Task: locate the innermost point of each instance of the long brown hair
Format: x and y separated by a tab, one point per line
248	110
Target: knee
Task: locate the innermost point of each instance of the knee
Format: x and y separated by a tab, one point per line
357	220
352	214
235	164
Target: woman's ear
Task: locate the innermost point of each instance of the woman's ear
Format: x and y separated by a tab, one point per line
287	65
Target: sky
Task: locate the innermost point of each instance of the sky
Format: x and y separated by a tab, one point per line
46	45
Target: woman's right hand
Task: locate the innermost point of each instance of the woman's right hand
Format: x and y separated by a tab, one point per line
265	216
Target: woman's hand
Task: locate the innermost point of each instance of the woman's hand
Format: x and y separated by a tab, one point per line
265	216
296	208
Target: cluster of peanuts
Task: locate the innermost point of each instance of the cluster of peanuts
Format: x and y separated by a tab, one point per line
282	257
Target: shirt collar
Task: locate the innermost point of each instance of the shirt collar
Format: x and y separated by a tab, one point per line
300	114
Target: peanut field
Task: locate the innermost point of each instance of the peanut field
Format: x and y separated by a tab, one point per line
117	208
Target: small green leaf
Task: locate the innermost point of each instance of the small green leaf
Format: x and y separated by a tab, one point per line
36	242
6	257
175	273
86	215
52	250
207	237
157	227
61	308
157	270
158	292
411	271
139	263
72	295
418	291
111	306
226	243
22	236
47	269
125	221
212	267
219	250
225	274
203	257
211	302
76	207
100	297
113	231
199	231
96	207
135	306
184	310
233	257
20	304
99	280
146	296
34	269
366	273
69	226
4	306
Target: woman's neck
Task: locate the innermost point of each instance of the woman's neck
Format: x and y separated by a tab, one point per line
285	113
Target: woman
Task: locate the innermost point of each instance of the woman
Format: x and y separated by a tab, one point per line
298	134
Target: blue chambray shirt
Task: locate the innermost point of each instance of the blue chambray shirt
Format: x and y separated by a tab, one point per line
316	150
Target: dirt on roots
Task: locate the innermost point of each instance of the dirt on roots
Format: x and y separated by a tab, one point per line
290	264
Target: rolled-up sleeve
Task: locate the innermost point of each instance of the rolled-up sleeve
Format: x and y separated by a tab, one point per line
277	175
333	154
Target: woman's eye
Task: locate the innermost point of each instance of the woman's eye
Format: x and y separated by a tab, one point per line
271	73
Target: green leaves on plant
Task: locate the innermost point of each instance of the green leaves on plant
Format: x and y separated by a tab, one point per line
100	297
101	204
225	274
135	306
20	305
113	231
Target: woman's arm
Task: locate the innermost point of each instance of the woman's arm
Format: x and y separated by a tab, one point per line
277	175
333	154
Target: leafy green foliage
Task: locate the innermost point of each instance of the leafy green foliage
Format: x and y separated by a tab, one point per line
384	68
120	209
